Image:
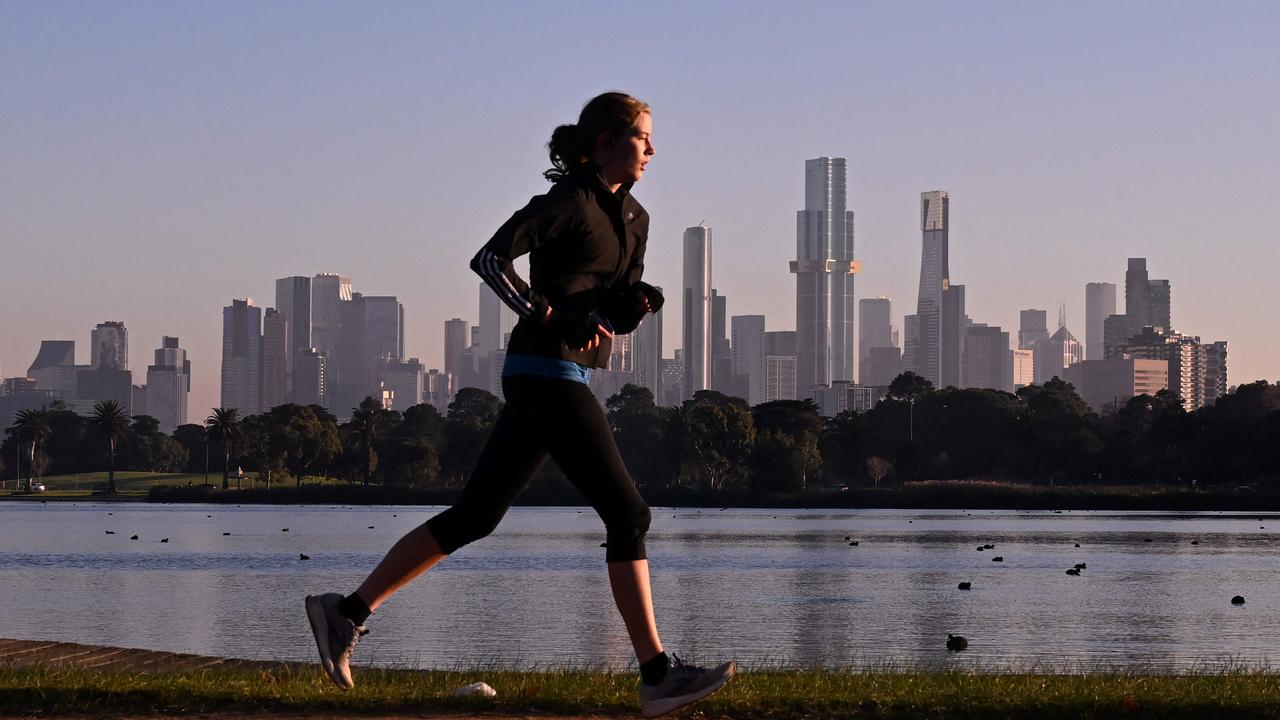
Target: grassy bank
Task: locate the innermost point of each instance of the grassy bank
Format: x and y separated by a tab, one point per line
780	694
953	494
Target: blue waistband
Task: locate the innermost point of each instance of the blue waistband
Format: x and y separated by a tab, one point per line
542	366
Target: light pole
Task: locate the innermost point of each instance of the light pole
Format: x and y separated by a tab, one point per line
206	458
911	420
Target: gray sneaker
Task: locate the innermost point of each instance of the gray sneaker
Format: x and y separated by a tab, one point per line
682	685
336	637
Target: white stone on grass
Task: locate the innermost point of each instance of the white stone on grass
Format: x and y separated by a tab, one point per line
475	689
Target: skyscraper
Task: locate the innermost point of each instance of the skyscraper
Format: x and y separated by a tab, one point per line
1099	303
407	380
293	299
780	371
1147	303
697	309
168	385
54	368
455	342
309	371
275	358
497	320
721	358
242	357
987	360
647	352
1059	352
954	324
875	330
328	294
824	268
1033	328
748	354
924	351
109	347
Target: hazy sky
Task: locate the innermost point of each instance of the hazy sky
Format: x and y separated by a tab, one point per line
158	159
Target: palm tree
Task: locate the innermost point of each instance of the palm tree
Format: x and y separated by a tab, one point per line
112	421
365	421
35	425
225	423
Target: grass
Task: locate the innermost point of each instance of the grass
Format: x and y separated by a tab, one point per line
131	485
778	693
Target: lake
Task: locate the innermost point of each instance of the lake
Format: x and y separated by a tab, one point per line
762	586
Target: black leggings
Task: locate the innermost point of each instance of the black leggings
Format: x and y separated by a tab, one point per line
561	419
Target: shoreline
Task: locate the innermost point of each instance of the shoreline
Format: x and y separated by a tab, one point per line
925	495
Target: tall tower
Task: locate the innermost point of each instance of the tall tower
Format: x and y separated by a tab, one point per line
109	347
647	354
328	295
275	358
455	341
293	300
168	384
748	354
875	330
497	320
697	310
824	268
1099	303
242	357
935	278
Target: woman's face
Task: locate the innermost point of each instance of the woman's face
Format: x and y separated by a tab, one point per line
623	158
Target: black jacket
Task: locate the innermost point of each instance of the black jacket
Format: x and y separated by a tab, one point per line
586	254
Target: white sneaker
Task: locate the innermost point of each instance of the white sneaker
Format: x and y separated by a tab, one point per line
336	637
683	684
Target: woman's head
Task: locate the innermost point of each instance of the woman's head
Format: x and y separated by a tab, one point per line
611	136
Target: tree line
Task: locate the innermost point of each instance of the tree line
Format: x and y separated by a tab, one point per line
709	443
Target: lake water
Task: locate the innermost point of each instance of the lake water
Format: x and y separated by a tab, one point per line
761	586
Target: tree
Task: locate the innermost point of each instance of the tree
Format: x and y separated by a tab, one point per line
366	420
1059	435
259	439
801	422
303	437
410	446
842	445
111	422
909	386
224	423
637	427
34	426
708	439
471	417
878	468
195	439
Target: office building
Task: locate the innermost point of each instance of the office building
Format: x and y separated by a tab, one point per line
1215	371
109	346
875	330
293	300
1107	385
455	342
697	310
824	268
1033	328
55	369
310	372
1099	304
1054	355
748	354
242	357
407	381
1024	368
883	365
987	358
168	385
1187	360
497	320
275	358
647	353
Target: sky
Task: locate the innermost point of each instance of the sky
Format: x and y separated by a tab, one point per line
158	159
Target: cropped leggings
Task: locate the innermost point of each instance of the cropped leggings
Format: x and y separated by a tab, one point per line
547	417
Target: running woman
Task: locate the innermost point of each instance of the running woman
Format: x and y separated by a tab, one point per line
586	241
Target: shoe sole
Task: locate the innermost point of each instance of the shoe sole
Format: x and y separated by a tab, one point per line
320	629
655	708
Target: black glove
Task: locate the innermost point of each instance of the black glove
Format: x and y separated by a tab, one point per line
651	293
576	330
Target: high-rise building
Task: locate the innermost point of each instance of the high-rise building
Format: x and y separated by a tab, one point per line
168	385
672	381
954	323
455	342
1033	328
109	345
309	371
438	390
328	294
748	354
1024	367
293	299
697	310
647	351
1099	304
1108	384
1187	359
987	360
497	320
383	334
883	365
780	365
1147	303
875	330
275	358
1215	371
242	357
55	368
824	268
925	345
1054	355
721	356
407	380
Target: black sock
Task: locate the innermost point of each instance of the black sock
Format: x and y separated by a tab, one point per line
354	609
652	671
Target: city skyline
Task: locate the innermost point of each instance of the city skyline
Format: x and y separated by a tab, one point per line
151	188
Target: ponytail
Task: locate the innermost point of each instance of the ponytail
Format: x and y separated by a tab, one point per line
572	146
